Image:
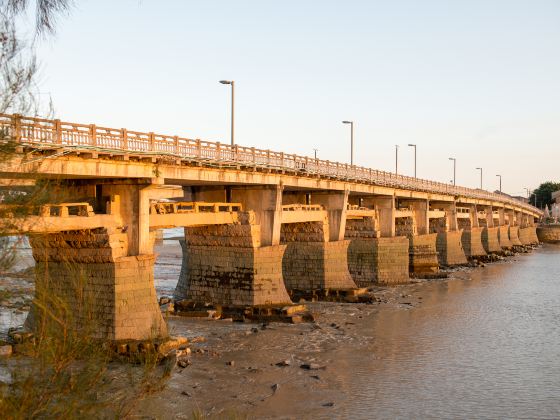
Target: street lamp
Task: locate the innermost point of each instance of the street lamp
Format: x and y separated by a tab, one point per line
231	82
396	159
500	182
454	169
413	145
480	169
315	150
351	140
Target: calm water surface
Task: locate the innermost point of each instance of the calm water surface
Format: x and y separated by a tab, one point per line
484	347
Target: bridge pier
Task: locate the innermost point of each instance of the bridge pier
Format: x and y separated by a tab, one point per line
528	235
87	278
448	244
316	256
471	239
372	259
226	265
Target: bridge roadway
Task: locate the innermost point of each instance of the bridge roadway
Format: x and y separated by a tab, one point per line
259	225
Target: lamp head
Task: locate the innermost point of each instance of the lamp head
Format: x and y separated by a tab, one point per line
347	122
226	82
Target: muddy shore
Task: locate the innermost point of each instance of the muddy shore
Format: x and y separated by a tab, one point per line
274	370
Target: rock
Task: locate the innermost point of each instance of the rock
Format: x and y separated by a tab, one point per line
315	377
172	344
254	330
329	404
230	363
284	363
311	366
275	388
163	300
185	393
6	350
183	362
198	339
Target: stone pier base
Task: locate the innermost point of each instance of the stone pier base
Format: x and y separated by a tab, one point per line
317	265
84	278
549	234
423	254
514	236
528	235
378	261
450	249
472	243
490	240
232	276
503	237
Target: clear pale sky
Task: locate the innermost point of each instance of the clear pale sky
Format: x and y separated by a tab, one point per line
475	80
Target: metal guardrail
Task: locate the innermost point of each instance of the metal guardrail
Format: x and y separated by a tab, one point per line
55	133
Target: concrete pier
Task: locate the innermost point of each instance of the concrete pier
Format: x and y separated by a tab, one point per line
514	236
549	233
503	237
490	240
472	243
423	254
87	278
450	248
379	261
225	265
528	235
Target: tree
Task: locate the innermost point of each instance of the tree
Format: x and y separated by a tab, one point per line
542	196
67	373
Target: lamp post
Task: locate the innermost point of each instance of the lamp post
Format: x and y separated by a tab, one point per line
315	150
351	140
500	182
413	145
232	83
396	159
454	169
480	169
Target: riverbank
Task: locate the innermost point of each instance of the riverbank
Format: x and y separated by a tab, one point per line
480	343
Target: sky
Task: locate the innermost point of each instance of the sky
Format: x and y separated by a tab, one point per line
474	80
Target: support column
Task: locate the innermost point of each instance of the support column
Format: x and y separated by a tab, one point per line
489	236
386	208
503	230
449	245
227	265
471	237
317	254
514	229
372	259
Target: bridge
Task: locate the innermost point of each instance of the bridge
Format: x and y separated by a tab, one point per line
259	225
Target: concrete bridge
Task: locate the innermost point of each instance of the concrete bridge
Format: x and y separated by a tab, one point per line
259	225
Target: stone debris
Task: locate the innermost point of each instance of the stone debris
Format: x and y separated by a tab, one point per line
312	366
6	350
284	363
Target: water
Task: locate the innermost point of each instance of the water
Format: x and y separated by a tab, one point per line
484	347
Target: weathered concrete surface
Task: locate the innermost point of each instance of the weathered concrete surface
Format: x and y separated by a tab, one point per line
423	254
317	265
514	236
472	242
225	265
490	240
379	261
503	237
312	262
549	233
99	287
450	249
528	235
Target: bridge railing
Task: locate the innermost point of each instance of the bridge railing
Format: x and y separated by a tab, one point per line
56	133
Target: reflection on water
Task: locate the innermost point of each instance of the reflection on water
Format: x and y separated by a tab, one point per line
485	347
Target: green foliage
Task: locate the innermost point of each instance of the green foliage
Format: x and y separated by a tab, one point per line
542	196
